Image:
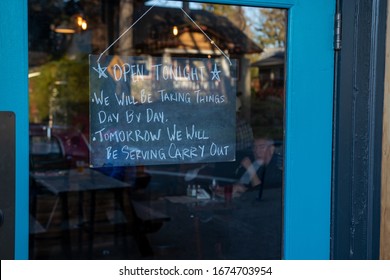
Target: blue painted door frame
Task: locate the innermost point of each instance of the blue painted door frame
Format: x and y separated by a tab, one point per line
14	97
309	109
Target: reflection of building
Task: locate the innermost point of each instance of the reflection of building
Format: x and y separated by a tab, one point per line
189	39
165	32
159	31
271	72
172	33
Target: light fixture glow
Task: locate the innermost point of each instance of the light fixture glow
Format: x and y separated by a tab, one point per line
175	30
79	20
64	29
33	74
72	25
84	25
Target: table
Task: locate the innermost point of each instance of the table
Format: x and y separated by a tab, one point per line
200	211
243	228
62	183
73	180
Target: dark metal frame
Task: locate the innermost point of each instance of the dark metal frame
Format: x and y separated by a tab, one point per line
358	111
7	185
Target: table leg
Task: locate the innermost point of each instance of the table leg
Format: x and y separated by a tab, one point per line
120	225
91	224
198	237
65	229
33	211
80	222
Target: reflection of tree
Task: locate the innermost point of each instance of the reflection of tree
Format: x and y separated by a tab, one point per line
234	13
270	24
266	111
60	86
273	28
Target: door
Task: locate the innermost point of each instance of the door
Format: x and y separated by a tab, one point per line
14	100
307	132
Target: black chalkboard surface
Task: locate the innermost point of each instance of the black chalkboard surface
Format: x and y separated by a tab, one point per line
161	110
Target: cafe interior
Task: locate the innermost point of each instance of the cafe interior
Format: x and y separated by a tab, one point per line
83	207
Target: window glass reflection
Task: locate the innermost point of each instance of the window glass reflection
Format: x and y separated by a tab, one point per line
200	210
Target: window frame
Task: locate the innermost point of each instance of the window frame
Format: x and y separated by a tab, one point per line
308	134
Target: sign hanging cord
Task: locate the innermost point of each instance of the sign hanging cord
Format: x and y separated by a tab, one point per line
187	15
204	33
127	30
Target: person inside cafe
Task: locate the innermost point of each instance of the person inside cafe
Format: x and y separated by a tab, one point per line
244	132
244	141
262	171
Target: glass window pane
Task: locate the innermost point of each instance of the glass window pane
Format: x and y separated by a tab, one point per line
219	208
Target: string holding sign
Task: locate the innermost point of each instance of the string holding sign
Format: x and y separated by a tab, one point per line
127	30
100	70
204	33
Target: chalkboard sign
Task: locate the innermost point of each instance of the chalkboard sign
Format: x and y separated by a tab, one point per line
161	110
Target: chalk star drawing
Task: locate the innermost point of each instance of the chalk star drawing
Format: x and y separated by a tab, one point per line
215	73
101	71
